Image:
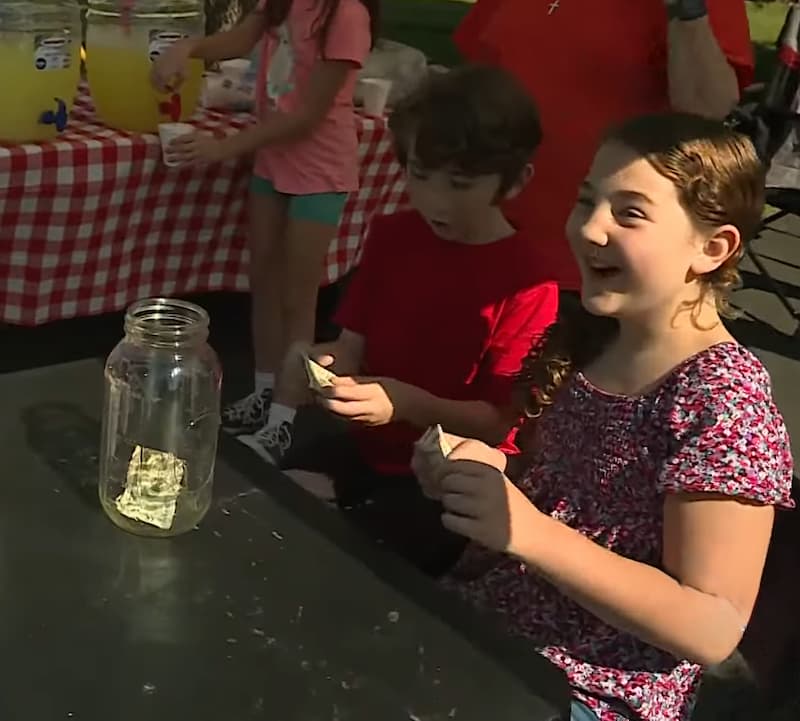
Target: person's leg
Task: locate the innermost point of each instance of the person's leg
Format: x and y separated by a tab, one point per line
318	465
267	223
312	224
391	510
268	226
398	515
274	440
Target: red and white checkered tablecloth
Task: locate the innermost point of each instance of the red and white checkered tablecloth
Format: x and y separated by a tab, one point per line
94	221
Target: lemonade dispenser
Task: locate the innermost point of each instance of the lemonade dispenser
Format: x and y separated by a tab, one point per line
40	68
123	37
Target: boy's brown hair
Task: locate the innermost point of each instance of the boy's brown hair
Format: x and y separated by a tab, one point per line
473	120
719	180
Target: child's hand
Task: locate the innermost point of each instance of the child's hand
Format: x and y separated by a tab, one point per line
425	465
483	505
170	69
470	449
198	148
372	402
429	467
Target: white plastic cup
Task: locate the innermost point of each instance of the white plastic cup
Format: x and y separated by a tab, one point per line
167	132
375	95
238	67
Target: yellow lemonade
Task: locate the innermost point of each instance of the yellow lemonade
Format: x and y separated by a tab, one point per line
38	82
118	65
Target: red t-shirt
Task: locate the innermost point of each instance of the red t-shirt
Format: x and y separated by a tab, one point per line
589	64
452	318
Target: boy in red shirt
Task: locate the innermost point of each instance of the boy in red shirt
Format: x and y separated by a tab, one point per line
441	311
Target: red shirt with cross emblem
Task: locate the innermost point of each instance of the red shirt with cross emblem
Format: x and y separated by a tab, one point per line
589	64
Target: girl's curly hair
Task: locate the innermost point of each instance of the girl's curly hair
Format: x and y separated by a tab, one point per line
719	180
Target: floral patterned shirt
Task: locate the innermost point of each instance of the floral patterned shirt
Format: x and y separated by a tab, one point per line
602	464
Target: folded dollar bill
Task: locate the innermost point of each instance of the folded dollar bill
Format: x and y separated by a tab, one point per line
318	377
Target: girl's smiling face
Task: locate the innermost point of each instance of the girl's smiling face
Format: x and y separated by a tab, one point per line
639	252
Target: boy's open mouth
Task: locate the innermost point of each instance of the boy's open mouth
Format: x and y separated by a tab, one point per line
603	271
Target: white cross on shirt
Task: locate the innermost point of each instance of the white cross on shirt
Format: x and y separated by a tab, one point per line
553	6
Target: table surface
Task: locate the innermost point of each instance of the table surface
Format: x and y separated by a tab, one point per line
272	609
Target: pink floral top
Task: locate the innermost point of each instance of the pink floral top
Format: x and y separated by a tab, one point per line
602	465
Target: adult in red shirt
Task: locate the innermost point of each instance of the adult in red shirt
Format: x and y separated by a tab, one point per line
593	63
444	306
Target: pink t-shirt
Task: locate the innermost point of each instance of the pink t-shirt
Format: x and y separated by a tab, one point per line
327	160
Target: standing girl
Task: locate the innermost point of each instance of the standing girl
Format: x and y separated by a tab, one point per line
306	161
629	546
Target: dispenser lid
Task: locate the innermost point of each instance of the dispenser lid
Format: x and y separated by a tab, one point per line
25	15
147	8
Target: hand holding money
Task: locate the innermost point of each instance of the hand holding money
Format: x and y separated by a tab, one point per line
319	377
430	452
428	461
368	401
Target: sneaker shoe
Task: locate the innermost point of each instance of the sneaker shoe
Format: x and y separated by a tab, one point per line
248	414
272	443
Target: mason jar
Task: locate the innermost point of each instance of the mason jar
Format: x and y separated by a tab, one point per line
161	419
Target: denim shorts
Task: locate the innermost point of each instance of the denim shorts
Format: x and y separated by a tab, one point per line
325	208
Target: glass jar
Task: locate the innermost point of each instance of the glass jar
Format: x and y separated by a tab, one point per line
161	419
123	37
40	59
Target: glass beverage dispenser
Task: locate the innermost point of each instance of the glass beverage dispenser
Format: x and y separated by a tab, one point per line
122	39
39	68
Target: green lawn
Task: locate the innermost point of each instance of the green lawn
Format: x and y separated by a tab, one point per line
766	20
428	25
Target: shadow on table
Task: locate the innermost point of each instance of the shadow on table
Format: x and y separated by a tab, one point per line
68	441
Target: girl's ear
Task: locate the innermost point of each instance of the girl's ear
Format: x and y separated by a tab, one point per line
719	247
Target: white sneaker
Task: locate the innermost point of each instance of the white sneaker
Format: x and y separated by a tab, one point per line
272	443
248	414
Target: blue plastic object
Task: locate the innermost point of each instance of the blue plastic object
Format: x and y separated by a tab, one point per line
58	117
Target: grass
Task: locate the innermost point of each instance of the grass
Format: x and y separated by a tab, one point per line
766	20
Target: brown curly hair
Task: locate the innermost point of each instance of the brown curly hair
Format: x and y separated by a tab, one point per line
719	180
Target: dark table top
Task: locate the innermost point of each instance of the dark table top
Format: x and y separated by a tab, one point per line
272	609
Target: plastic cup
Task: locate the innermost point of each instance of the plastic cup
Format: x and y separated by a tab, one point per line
375	95
167	132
